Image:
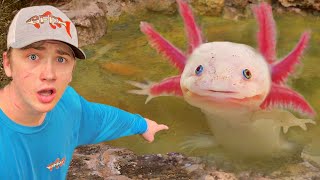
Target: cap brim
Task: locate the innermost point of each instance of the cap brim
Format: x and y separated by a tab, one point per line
22	43
77	52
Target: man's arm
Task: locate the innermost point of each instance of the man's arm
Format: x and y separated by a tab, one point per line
100	122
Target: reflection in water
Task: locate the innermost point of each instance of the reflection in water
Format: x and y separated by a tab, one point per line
126	46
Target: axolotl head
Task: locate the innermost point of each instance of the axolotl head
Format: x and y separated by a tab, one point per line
225	75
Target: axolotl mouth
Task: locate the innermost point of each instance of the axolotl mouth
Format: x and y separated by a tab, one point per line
215	96
210	94
226	92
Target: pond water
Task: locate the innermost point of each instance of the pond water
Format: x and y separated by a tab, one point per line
124	54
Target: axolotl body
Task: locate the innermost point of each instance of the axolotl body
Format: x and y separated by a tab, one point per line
229	84
242	91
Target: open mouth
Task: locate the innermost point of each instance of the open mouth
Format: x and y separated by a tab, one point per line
46	92
46	95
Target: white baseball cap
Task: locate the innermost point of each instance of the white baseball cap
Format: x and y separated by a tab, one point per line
37	23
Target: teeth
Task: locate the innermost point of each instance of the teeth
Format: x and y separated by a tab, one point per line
45	93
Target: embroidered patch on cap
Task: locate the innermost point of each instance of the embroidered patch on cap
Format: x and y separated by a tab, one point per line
53	21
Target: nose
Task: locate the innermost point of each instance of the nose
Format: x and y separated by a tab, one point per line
48	71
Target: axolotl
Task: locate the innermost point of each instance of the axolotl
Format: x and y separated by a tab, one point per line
241	90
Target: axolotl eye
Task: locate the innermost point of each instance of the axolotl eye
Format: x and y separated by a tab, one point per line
199	70
246	73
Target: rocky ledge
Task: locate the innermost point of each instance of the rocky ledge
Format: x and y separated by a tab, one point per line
111	163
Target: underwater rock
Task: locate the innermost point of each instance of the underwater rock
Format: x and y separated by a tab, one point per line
239	4
232	13
164	6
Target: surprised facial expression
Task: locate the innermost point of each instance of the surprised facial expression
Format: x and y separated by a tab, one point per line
225	74
40	73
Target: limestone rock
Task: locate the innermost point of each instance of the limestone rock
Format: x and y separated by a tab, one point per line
208	7
89	19
164	6
302	4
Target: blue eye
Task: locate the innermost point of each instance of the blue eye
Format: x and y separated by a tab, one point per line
199	70
246	73
33	57
61	60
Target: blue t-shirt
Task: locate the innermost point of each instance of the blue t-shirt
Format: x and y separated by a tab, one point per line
45	151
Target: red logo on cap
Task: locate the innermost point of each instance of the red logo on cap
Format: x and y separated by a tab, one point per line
54	22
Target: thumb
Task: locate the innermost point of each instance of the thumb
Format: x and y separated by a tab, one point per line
148	137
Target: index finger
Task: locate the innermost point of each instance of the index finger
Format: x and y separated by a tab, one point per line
162	127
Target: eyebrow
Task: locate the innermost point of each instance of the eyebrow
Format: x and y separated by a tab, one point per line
62	52
38	46
33	47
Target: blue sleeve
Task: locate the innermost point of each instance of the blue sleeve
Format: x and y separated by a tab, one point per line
100	122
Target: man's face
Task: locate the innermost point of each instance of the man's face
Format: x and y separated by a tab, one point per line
40	74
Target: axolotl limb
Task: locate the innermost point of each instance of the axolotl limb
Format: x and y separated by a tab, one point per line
242	91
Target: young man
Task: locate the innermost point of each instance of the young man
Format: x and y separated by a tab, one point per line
42	119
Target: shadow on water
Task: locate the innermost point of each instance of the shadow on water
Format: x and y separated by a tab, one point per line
124	54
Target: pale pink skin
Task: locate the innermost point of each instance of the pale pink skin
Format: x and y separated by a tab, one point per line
37	84
232	102
222	84
236	108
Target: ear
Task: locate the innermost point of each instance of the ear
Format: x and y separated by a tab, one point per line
6	64
70	78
